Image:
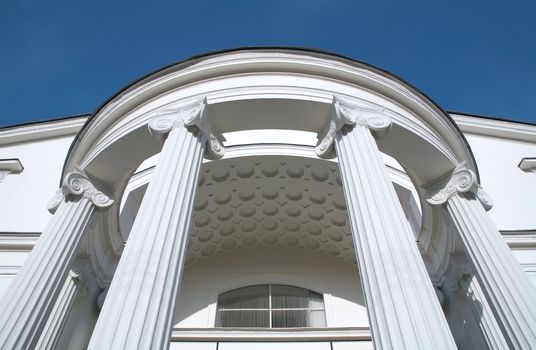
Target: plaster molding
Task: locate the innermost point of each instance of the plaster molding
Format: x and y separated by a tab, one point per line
77	184
255	335
520	239
462	181
55	201
10	166
273	72
9	270
14	242
191	116
346	114
105	245
484	198
272	177
528	165
441	247
270	150
495	128
43	130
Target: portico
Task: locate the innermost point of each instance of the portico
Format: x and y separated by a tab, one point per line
361	116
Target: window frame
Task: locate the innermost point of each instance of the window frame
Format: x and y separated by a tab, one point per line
270	309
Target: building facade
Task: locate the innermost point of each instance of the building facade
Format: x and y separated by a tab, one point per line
268	199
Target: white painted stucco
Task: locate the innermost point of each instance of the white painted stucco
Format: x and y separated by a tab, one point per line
283	169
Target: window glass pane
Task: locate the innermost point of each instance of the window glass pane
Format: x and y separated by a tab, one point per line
253	297
291	307
298	318
240	318
289	297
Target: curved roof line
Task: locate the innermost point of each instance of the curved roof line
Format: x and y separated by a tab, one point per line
194	59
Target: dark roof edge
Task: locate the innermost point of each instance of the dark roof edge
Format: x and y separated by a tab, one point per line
193	60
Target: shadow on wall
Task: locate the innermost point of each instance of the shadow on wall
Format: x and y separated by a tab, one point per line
203	281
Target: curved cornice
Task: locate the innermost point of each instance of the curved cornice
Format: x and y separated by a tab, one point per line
306	61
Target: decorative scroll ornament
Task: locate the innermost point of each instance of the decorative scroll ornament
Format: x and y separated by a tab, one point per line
55	201
76	184
192	116
342	114
484	198
78	273
459	268
462	180
82	274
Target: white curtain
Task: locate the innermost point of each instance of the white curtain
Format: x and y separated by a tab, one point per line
289	307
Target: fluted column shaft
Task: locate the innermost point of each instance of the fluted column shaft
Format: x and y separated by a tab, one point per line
486	321
138	309
460	277
77	280
402	305
29	300
509	292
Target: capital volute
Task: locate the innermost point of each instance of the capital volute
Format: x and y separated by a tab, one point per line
344	114
194	117
78	271
461	181
82	274
77	185
55	201
459	268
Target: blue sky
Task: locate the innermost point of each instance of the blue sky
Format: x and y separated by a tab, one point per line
60	58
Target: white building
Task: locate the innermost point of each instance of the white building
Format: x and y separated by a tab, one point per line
269	199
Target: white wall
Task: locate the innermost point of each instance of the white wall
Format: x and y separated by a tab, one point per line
24	196
10	263
512	190
203	281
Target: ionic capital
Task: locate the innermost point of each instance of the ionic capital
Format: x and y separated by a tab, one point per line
462	180
55	201
345	114
82	274
77	184
193	116
459	268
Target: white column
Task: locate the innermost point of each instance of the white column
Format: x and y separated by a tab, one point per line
461	277
402	305
506	286
79	278
30	299
138	309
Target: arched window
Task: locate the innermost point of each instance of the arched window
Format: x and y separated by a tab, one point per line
271	306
